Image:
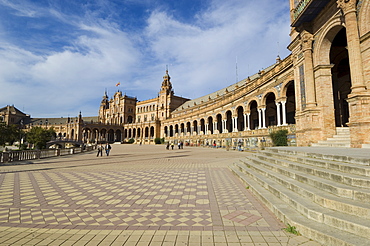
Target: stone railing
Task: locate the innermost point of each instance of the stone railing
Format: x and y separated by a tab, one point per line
13	156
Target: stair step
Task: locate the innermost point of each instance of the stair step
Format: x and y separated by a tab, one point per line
315	230
352	179
315	194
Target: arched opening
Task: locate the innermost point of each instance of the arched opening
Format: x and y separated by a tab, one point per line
151	131
182	128
210	124
166	133
118	136
129	119
138	132
240	121
134	133
171	131
188	127
195	125
254	115
176	129
110	137
271	119
146	132
202	126
290	103
229	123
219	123
341	79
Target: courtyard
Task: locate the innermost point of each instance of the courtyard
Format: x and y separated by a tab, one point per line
139	195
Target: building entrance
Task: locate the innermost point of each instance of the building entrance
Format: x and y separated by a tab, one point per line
341	80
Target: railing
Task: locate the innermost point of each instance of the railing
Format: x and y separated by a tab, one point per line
300	7
13	156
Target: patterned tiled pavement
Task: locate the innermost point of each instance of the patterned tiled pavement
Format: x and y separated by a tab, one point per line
139	195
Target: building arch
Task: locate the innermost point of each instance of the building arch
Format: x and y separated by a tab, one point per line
219	123
240	125
253	118
210	124
118	137
290	103
171	131
271	109
229	121
151	131
146	132
195	126
165	129
188	127
110	135
202	126
182	128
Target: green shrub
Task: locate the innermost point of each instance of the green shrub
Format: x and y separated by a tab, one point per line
279	138
131	140
157	141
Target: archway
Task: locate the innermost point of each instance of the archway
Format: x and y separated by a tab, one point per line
341	79
229	122
219	123
290	103
210	124
271	119
254	115
240	121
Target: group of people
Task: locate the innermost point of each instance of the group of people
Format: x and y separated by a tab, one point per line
180	145
107	149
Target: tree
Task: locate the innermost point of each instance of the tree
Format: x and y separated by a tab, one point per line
40	136
9	133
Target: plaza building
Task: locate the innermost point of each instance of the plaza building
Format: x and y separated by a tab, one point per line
320	93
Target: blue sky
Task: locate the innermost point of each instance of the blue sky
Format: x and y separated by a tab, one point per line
59	56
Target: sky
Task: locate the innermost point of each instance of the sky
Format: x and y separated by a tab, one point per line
58	57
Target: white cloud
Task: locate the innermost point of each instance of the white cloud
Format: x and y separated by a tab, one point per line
99	53
204	53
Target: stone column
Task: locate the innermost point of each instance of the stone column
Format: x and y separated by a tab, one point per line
307	39
245	122
224	126
353	44
235	124
206	129
263	117
259	119
283	107
278	113
248	121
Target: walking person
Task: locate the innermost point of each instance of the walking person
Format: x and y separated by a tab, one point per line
172	145
100	150
168	145
107	149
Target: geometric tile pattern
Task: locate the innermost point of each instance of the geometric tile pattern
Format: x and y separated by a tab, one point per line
242	217
137	196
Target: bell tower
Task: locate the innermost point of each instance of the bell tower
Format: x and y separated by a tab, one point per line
164	97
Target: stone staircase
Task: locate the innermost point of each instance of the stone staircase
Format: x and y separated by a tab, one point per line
327	198
342	138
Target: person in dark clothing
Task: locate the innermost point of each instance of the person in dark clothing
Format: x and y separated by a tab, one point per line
100	150
107	149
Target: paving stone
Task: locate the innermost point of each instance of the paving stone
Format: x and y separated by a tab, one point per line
139	194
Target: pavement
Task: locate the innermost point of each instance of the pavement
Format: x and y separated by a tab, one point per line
139	195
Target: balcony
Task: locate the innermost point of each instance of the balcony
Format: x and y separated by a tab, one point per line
307	10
